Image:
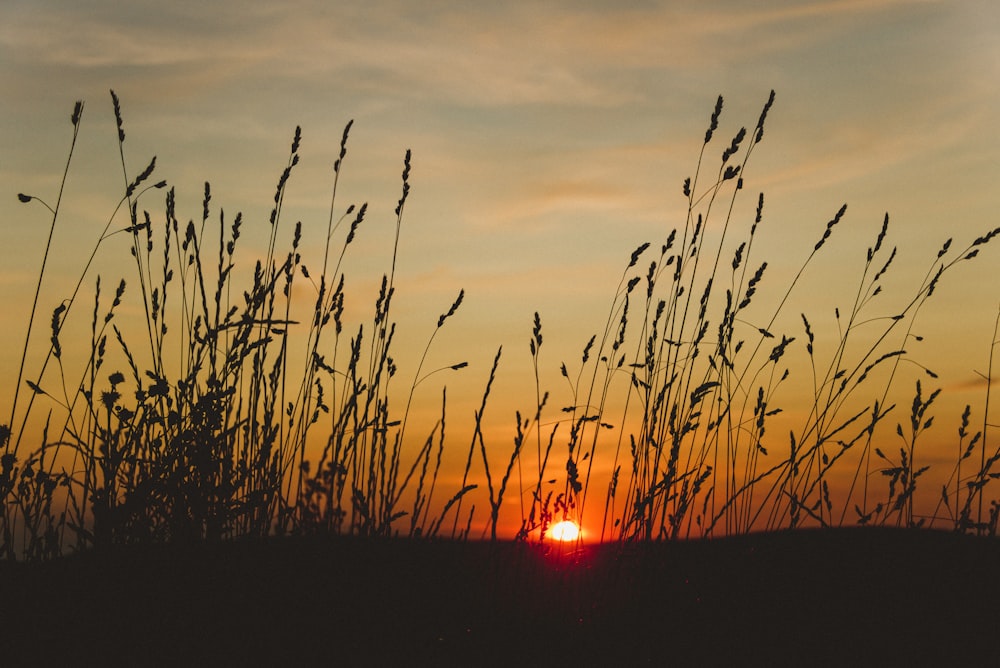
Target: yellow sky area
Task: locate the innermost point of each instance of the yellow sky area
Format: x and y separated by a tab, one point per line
548	143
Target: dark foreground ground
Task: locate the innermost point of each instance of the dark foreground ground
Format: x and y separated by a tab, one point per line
848	597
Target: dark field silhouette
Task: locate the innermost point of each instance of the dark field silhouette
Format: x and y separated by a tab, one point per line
861	596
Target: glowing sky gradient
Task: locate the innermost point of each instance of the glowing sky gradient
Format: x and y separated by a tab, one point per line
548	139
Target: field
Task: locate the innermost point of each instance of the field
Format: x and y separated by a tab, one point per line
807	597
227	469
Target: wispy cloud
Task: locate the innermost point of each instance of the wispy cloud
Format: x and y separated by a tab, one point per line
472	55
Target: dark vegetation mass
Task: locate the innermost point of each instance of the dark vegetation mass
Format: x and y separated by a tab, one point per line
868	596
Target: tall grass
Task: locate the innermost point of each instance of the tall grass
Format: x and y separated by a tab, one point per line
705	371
202	433
236	411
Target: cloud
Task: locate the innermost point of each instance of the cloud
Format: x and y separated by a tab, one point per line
472	56
138	35
841	150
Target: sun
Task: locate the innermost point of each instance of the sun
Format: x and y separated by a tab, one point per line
565	531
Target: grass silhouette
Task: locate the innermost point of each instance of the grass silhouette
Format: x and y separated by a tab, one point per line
238	415
206	433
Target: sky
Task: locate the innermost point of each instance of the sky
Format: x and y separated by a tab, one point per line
548	140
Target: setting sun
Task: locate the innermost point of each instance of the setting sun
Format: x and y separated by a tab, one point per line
565	531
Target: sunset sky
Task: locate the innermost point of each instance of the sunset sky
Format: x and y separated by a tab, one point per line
549	140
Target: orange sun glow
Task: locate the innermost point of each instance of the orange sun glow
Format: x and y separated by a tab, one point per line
565	531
